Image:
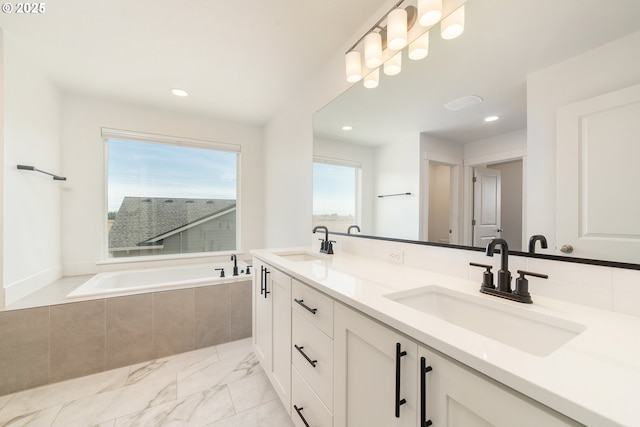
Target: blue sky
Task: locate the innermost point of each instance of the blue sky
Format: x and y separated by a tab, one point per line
334	189
159	170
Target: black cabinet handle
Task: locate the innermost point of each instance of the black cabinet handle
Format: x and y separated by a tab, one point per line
311	362
424	369
399	402
299	411
266	281
305	306
261	279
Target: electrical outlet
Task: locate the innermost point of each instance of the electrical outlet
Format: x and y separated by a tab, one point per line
395	256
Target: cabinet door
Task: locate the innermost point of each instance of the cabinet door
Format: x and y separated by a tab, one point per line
261	317
365	362
456	396
279	288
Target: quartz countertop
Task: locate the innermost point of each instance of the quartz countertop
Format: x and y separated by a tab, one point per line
594	378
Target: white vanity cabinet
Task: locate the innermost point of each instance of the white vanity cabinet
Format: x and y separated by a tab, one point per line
312	357
272	326
375	373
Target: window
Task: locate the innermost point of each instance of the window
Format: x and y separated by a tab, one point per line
167	197
336	194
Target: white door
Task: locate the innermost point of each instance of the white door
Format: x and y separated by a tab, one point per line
280	292
365	363
486	206
598	158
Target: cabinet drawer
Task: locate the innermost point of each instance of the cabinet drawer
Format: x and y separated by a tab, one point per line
317	366
307	404
313	306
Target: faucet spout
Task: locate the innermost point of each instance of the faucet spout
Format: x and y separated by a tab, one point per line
534	239
234	258
504	276
353	227
326	246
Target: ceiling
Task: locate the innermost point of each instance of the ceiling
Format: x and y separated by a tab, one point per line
238	59
503	42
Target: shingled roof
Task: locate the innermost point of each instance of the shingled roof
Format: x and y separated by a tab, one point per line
142	220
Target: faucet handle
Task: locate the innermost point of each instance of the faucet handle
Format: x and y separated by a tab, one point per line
522	284
487	276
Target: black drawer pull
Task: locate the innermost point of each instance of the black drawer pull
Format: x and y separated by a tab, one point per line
424	369
299	411
261	279
305	306
266	281
312	362
399	401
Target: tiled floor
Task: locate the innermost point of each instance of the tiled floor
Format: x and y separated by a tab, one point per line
215	386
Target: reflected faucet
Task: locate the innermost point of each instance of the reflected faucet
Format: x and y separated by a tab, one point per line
534	239
504	275
326	246
234	258
352	227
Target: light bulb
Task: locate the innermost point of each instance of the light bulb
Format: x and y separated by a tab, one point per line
394	65
353	66
419	48
429	12
453	25
373	50
372	79
397	29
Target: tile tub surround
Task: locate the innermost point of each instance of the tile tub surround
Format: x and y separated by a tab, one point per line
217	386
54	343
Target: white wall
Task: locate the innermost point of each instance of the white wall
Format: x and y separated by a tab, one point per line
31	201
2	91
83	154
611	67
355	153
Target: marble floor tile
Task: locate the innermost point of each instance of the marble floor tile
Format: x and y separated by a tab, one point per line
217	374
36	399
271	414
102	407
39	418
234	348
251	391
195	410
4	400
171	364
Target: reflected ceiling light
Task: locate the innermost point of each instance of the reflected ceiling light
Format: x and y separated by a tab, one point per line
397	29
373	50
429	12
347	128
353	65
372	79
394	65
179	92
419	48
491	118
453	25
464	102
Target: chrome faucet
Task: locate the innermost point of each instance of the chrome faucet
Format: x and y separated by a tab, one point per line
326	246
521	292
534	239
234	258
353	227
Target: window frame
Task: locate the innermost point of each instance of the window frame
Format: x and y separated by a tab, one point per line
134	136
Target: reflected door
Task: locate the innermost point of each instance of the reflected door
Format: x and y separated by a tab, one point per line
487	185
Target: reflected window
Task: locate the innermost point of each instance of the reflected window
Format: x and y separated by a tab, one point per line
336	194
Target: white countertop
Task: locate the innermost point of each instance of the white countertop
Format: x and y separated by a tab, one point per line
594	378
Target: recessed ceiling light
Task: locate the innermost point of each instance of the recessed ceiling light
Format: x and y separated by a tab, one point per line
491	118
347	127
179	92
464	102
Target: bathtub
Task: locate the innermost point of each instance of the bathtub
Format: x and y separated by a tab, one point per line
119	283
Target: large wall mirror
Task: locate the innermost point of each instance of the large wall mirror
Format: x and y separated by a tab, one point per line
421	163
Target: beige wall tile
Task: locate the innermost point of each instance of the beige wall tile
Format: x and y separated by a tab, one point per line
24	349
240	303
77	339
173	322
129	336
212	315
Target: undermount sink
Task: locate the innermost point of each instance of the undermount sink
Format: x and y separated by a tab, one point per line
537	334
298	256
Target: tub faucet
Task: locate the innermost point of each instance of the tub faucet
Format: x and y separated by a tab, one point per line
353	227
534	239
234	258
504	275
326	246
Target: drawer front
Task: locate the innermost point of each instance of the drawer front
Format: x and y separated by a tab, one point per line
305	403
313	306
312	355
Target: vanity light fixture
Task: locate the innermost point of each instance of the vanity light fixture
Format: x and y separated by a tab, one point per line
453	25
179	92
385	40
